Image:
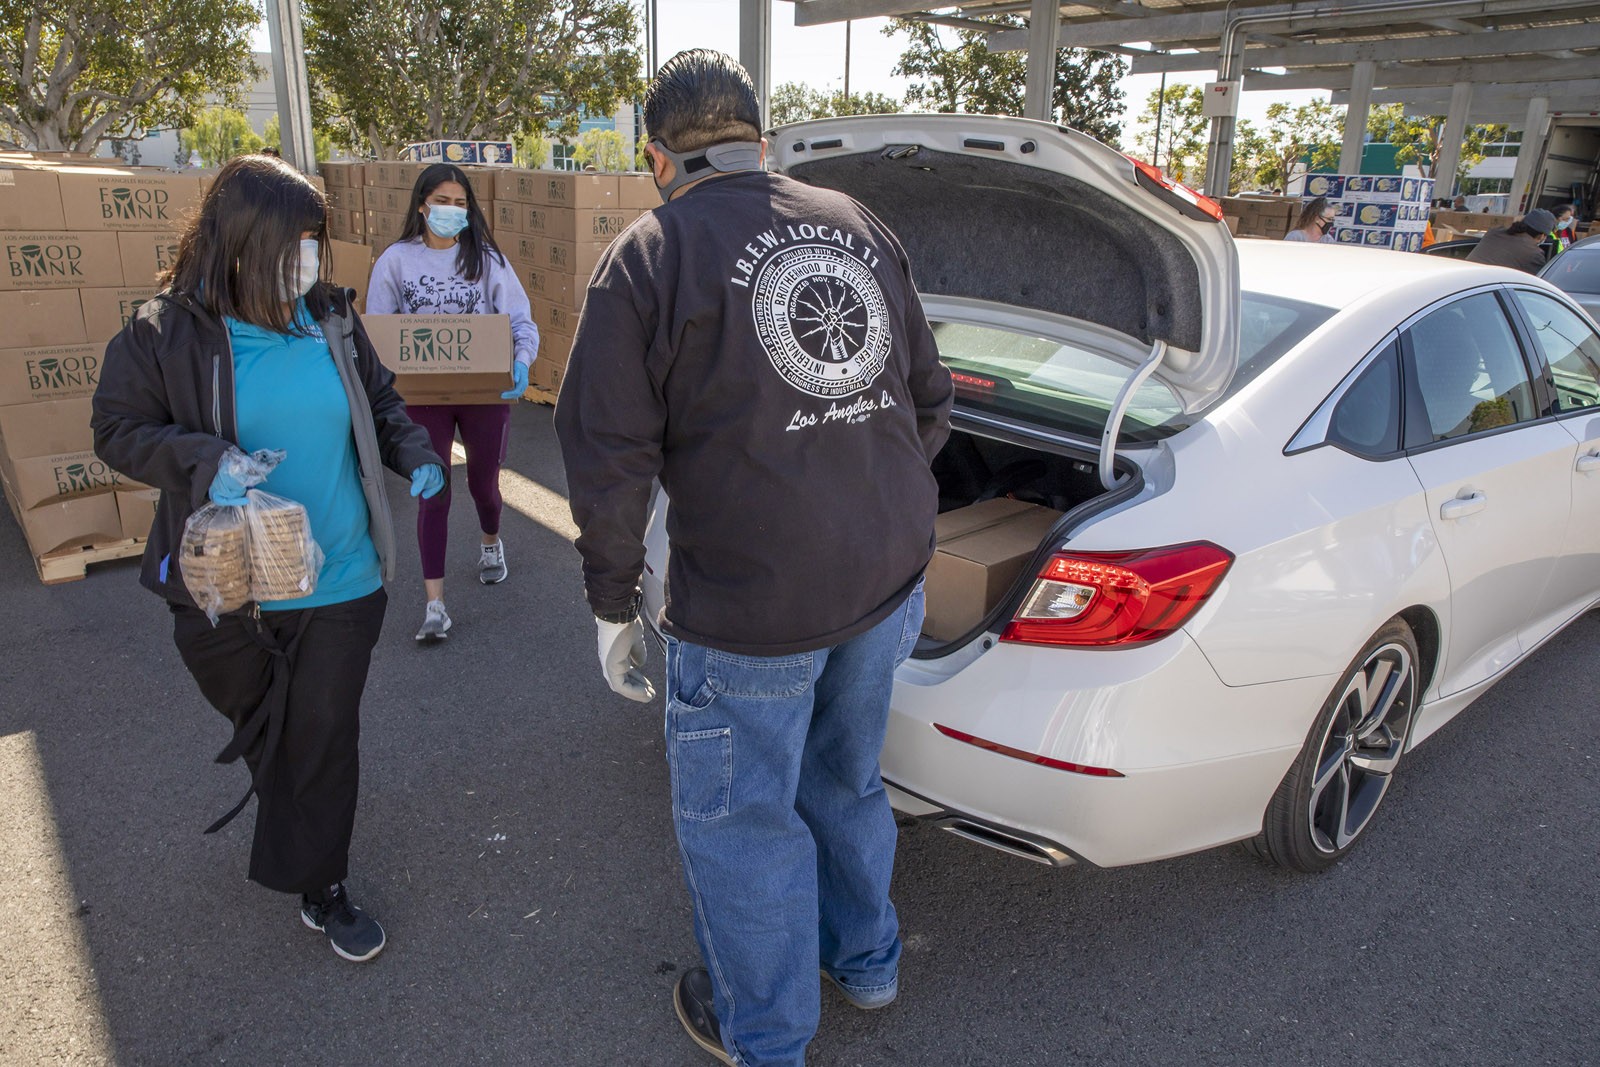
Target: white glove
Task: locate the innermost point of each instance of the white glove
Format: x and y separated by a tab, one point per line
622	654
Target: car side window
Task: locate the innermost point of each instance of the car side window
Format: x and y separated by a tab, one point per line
1468	371
1570	348
1366	420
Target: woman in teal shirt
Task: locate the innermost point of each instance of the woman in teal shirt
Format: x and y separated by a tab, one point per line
249	348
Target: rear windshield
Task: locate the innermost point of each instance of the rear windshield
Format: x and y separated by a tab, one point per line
1577	271
1071	389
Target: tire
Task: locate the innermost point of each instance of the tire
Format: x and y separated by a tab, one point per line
1332	792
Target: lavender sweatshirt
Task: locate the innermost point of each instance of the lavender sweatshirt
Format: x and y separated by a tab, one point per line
413	279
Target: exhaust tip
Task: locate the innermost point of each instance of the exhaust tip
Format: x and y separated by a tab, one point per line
1010	844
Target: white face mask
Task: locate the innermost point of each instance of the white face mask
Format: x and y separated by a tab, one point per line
310	270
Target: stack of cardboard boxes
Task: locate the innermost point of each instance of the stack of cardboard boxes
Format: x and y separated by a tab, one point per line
81	248
1376	211
1260	216
554	226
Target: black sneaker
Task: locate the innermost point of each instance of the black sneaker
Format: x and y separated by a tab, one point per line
353	933
698	1014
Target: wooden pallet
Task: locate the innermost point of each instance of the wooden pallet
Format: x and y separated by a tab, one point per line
72	564
539	396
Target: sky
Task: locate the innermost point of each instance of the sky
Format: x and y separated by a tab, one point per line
815	55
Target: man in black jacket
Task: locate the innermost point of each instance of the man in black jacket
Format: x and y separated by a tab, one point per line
758	346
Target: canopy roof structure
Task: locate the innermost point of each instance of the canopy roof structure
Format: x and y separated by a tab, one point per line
1502	61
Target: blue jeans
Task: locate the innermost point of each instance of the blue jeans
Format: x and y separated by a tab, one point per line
785	830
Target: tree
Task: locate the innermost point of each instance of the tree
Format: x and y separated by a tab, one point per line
219	134
967	76
601	149
1182	151
1292	134
1250	151
388	72
1420	142
532	150
321	140
74	73
795	102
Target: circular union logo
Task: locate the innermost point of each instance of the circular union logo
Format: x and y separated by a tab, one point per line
822	319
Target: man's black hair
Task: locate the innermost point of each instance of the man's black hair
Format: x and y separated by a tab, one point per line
701	98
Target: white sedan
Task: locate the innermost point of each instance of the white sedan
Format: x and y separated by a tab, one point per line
1314	500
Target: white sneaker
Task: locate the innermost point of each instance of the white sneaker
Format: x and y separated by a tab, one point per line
435	623
492	564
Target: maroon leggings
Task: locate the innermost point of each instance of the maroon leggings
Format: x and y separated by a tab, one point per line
485	430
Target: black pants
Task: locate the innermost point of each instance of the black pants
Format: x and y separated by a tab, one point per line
306	766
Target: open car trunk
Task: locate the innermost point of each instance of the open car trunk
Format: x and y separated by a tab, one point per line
1006	503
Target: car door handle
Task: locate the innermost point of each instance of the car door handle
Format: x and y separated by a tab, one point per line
1462	506
1588	463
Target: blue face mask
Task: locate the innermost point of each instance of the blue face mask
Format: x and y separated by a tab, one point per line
445	220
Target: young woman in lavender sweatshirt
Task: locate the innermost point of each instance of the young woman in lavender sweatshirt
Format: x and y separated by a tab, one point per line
446	263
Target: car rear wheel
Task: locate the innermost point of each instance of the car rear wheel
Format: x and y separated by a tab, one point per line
1330	795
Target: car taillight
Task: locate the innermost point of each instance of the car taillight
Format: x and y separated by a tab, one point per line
1179	195
1100	599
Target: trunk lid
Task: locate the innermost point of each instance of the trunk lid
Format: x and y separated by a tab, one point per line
1005	215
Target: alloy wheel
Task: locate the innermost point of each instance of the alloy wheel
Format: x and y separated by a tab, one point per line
1363	743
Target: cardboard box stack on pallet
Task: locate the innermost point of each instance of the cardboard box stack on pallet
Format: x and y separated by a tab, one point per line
82	247
1260	216
554	225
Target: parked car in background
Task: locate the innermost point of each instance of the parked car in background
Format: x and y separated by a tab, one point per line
1577	273
1310	501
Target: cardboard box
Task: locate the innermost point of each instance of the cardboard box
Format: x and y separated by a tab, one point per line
1232	222
555	349
46	479
385	225
61	372
137	510
560	257
1328	185
555	287
394	201
507	216
552	318
146	257
30	199
128	200
484	153
394	174
72	523
45	429
107	311
555	188
587	226
33	318
32	259
352	269
637	192
445	359
345	175
973	569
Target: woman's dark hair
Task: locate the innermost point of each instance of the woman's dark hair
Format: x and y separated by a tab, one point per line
701	98
1310	212
241	252
474	243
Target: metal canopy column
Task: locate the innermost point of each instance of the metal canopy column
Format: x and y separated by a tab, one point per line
755	49
1450	138
290	82
1362	75
1527	158
1044	37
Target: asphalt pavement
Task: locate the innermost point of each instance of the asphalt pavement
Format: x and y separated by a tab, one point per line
514	838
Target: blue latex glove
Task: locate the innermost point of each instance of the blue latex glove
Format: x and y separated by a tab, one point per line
519	381
227	491
427	480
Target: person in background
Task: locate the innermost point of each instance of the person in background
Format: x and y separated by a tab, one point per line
1459	204
249	347
1517	246
1314	223
795	584
1561	235
446	263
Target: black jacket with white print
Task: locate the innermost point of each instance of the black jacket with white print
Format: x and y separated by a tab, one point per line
758	345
